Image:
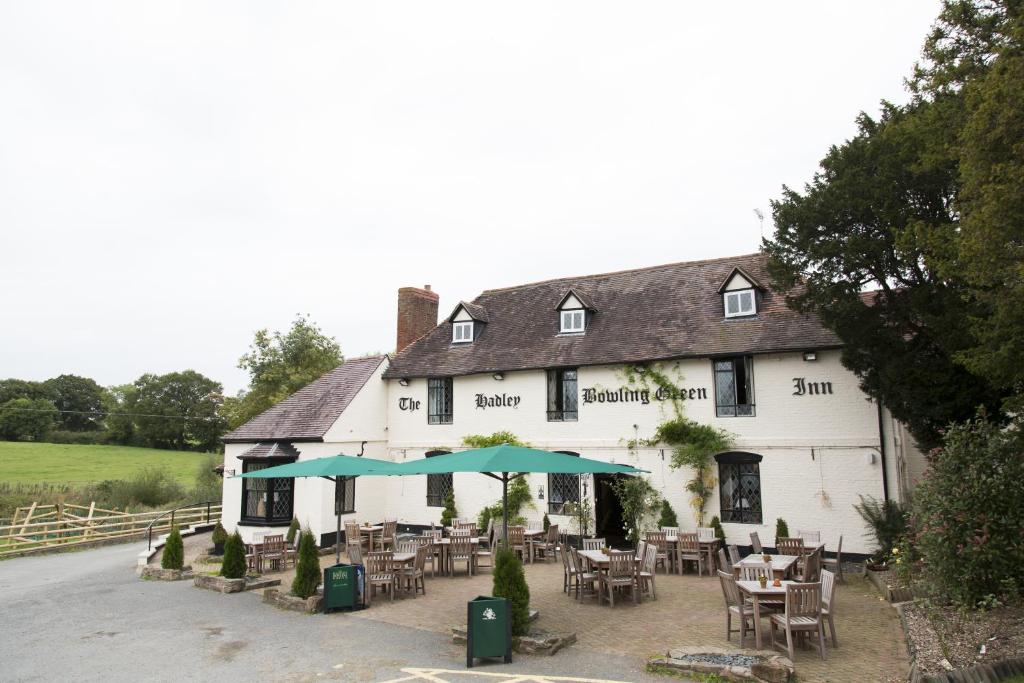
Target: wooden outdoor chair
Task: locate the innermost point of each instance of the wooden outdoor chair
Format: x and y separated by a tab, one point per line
621	574
735	605
389	535
641	549
659	540
461	550
734	553
380	572
584	579
549	546
751	572
484	553
755	543
688	550
705	533
723	561
828	603
835	564
517	541
353	537
414	577
809	536
408	547
812	567
274	555
802	615
790	546
645	576
355	554
593	543
252	558
670	530
566	570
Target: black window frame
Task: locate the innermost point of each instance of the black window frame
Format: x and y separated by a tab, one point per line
273	486
441	484
344	495
445	386
735	470
559	410
739	366
566	483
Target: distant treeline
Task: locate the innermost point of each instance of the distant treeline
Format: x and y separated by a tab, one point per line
180	410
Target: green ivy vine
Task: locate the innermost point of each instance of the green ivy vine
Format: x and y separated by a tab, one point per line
692	443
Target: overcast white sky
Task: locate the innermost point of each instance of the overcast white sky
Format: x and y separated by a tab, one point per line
176	175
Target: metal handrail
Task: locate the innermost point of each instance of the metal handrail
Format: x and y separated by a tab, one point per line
207	503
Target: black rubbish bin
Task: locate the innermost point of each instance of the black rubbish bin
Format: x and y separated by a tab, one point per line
488	629
343	587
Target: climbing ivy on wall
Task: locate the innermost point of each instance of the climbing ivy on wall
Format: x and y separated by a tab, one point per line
692	443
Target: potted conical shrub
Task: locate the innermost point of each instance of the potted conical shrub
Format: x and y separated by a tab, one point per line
218	537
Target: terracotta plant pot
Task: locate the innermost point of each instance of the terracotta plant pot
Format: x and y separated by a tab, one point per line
766	558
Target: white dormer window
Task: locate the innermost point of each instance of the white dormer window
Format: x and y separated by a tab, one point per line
739	303
573	321
462	332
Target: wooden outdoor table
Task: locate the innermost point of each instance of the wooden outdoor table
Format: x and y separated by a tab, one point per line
754	590
599	561
782	565
529	537
445	545
369	531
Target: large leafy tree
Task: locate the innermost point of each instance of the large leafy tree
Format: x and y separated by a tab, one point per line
20	388
26	418
281	364
80	401
179	410
898	210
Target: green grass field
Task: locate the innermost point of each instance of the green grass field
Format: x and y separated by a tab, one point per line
35	463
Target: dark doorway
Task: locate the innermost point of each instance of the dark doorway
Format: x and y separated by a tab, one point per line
608	511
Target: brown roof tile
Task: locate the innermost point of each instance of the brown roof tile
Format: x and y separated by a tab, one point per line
307	414
657	313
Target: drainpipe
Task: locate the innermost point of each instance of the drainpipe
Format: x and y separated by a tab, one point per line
881	450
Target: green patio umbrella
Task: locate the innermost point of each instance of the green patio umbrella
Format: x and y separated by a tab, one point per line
499	462
332	468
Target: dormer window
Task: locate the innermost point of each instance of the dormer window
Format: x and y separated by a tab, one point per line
572	313
740	303
462	332
573	321
468	322
739	294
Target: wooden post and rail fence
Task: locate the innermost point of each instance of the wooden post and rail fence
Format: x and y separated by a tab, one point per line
39	528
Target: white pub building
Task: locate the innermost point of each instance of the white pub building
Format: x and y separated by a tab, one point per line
547	361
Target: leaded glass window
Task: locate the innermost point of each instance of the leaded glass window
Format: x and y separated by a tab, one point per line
563	490
344	495
563	395
739	477
439	401
266	501
734	386
438	485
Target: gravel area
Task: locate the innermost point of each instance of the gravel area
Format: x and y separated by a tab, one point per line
724	660
944	638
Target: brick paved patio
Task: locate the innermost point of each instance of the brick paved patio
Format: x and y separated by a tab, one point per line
689	611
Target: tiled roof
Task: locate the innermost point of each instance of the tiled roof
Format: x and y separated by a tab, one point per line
307	414
271	449
475	312
657	313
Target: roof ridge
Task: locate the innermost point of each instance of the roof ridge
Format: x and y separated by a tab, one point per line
576	278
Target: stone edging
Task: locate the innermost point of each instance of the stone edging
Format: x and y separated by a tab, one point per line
310	605
769	666
536	643
161	574
993	672
223	585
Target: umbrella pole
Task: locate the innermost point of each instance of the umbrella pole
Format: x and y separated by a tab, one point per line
504	502
337	533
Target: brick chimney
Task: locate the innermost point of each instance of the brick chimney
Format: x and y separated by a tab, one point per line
417	314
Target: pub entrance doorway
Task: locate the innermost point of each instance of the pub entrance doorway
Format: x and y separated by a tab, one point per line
608	511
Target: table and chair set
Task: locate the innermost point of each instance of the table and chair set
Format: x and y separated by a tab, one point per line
270	552
792	588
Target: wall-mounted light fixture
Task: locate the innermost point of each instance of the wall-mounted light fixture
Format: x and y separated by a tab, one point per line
499	376
404	381
540	492
810	355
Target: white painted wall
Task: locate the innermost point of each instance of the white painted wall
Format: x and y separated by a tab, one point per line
819	451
